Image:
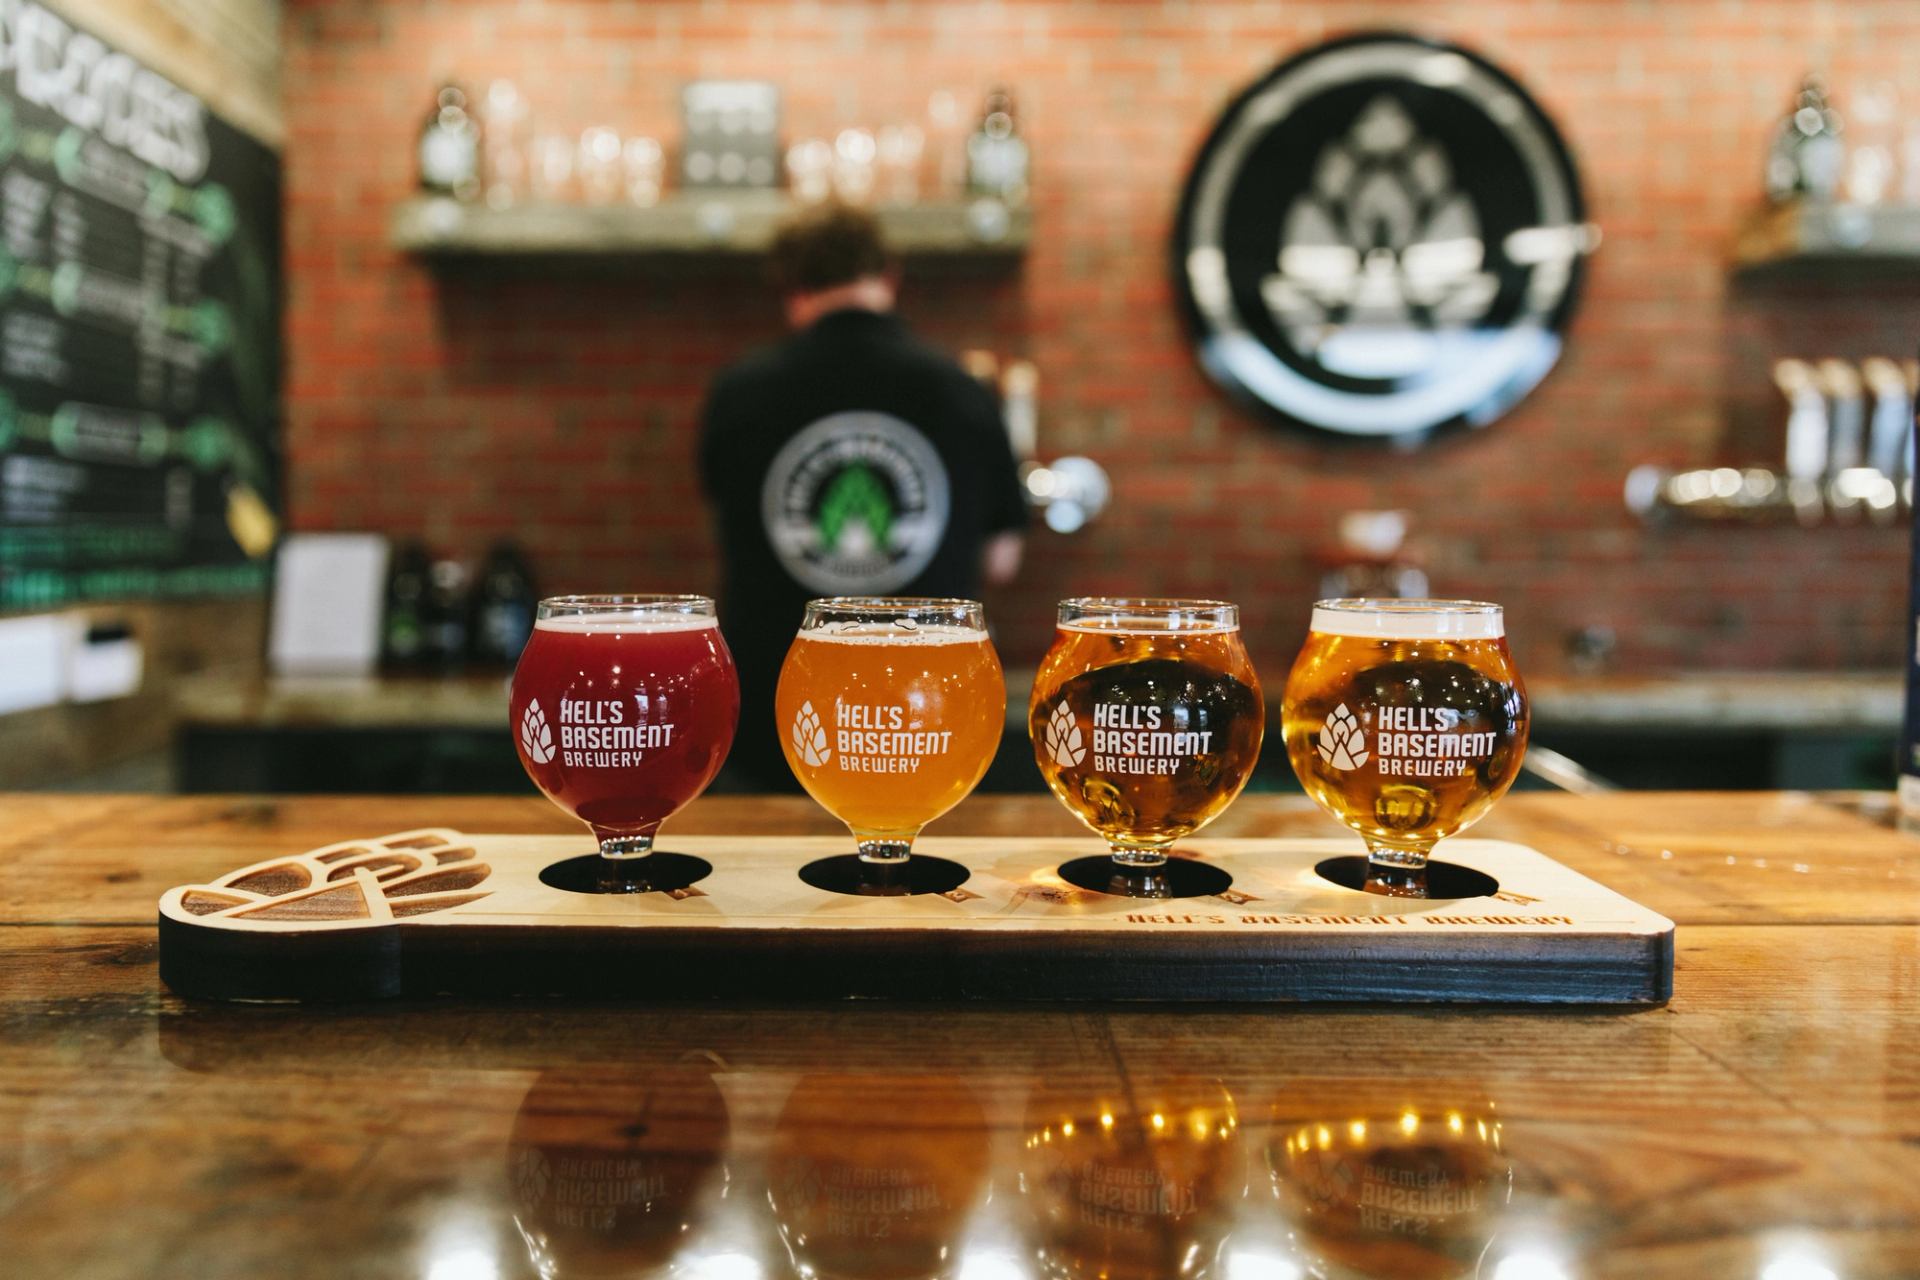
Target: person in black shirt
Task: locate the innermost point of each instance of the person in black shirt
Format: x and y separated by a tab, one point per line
849	459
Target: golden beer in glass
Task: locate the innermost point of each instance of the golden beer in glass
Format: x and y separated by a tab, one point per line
1146	719
890	711
1406	720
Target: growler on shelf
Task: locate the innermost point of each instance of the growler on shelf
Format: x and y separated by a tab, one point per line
1146	718
1405	719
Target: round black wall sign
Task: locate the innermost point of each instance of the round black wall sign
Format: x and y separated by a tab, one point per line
1381	238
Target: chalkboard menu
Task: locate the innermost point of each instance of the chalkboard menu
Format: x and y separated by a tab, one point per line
139	329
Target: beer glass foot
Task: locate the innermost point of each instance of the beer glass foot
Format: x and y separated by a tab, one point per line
850	874
1443	879
1396	880
658	872
1173	878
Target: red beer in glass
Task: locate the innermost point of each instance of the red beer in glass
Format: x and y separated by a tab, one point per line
623	709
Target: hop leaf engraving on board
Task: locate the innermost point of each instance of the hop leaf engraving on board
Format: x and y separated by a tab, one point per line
535	737
809	737
1064	741
1343	744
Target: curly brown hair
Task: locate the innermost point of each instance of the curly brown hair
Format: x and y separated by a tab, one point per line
826	245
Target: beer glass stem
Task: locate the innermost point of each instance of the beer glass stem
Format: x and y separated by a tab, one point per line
1386	855
1397	873
885	850
1135	856
625	848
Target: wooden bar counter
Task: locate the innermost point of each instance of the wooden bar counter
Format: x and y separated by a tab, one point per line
1765	1124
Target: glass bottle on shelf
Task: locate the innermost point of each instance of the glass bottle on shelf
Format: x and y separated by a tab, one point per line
403	629
504	600
450	147
444	618
997	157
1807	155
503	149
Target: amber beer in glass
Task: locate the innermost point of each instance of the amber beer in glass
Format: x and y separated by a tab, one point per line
1406	720
889	712
624	708
1146	719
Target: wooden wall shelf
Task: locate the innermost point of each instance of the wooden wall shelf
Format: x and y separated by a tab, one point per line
719	226
1811	236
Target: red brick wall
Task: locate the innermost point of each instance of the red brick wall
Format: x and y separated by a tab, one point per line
461	406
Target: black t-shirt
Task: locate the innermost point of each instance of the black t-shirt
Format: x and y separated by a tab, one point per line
850	459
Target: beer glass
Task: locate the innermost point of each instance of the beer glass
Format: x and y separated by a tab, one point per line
1406	720
889	712
623	708
1146	719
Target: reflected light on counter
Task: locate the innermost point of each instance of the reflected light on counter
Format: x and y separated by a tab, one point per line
725	1266
1531	1264
1797	1266
992	1266
470	1263
1261	1264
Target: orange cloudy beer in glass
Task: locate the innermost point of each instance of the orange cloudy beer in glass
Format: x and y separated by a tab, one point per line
890	711
1146	718
1406	720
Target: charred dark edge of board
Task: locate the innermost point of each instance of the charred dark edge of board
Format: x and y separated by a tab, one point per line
906	964
211	963
792	964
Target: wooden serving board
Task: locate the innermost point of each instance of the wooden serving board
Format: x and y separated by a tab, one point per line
438	912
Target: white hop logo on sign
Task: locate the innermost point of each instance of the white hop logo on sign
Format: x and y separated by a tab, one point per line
535	736
1343	745
809	738
1062	738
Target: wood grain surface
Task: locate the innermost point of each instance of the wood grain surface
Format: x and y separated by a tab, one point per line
1770	1113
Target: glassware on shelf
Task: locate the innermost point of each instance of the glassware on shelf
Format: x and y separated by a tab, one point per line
946	144
599	165
810	170
853	165
504	114
645	165
899	149
1873	143
551	165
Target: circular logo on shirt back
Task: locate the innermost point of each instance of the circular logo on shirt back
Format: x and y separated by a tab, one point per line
856	504
1382	237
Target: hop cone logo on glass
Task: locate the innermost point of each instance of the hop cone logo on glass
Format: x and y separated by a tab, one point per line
809	738
535	736
532	1175
1064	741
1342	743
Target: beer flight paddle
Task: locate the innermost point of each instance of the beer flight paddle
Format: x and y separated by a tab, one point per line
1405	720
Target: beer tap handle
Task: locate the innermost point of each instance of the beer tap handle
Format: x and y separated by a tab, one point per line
1892	415
1842	385
1807	435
